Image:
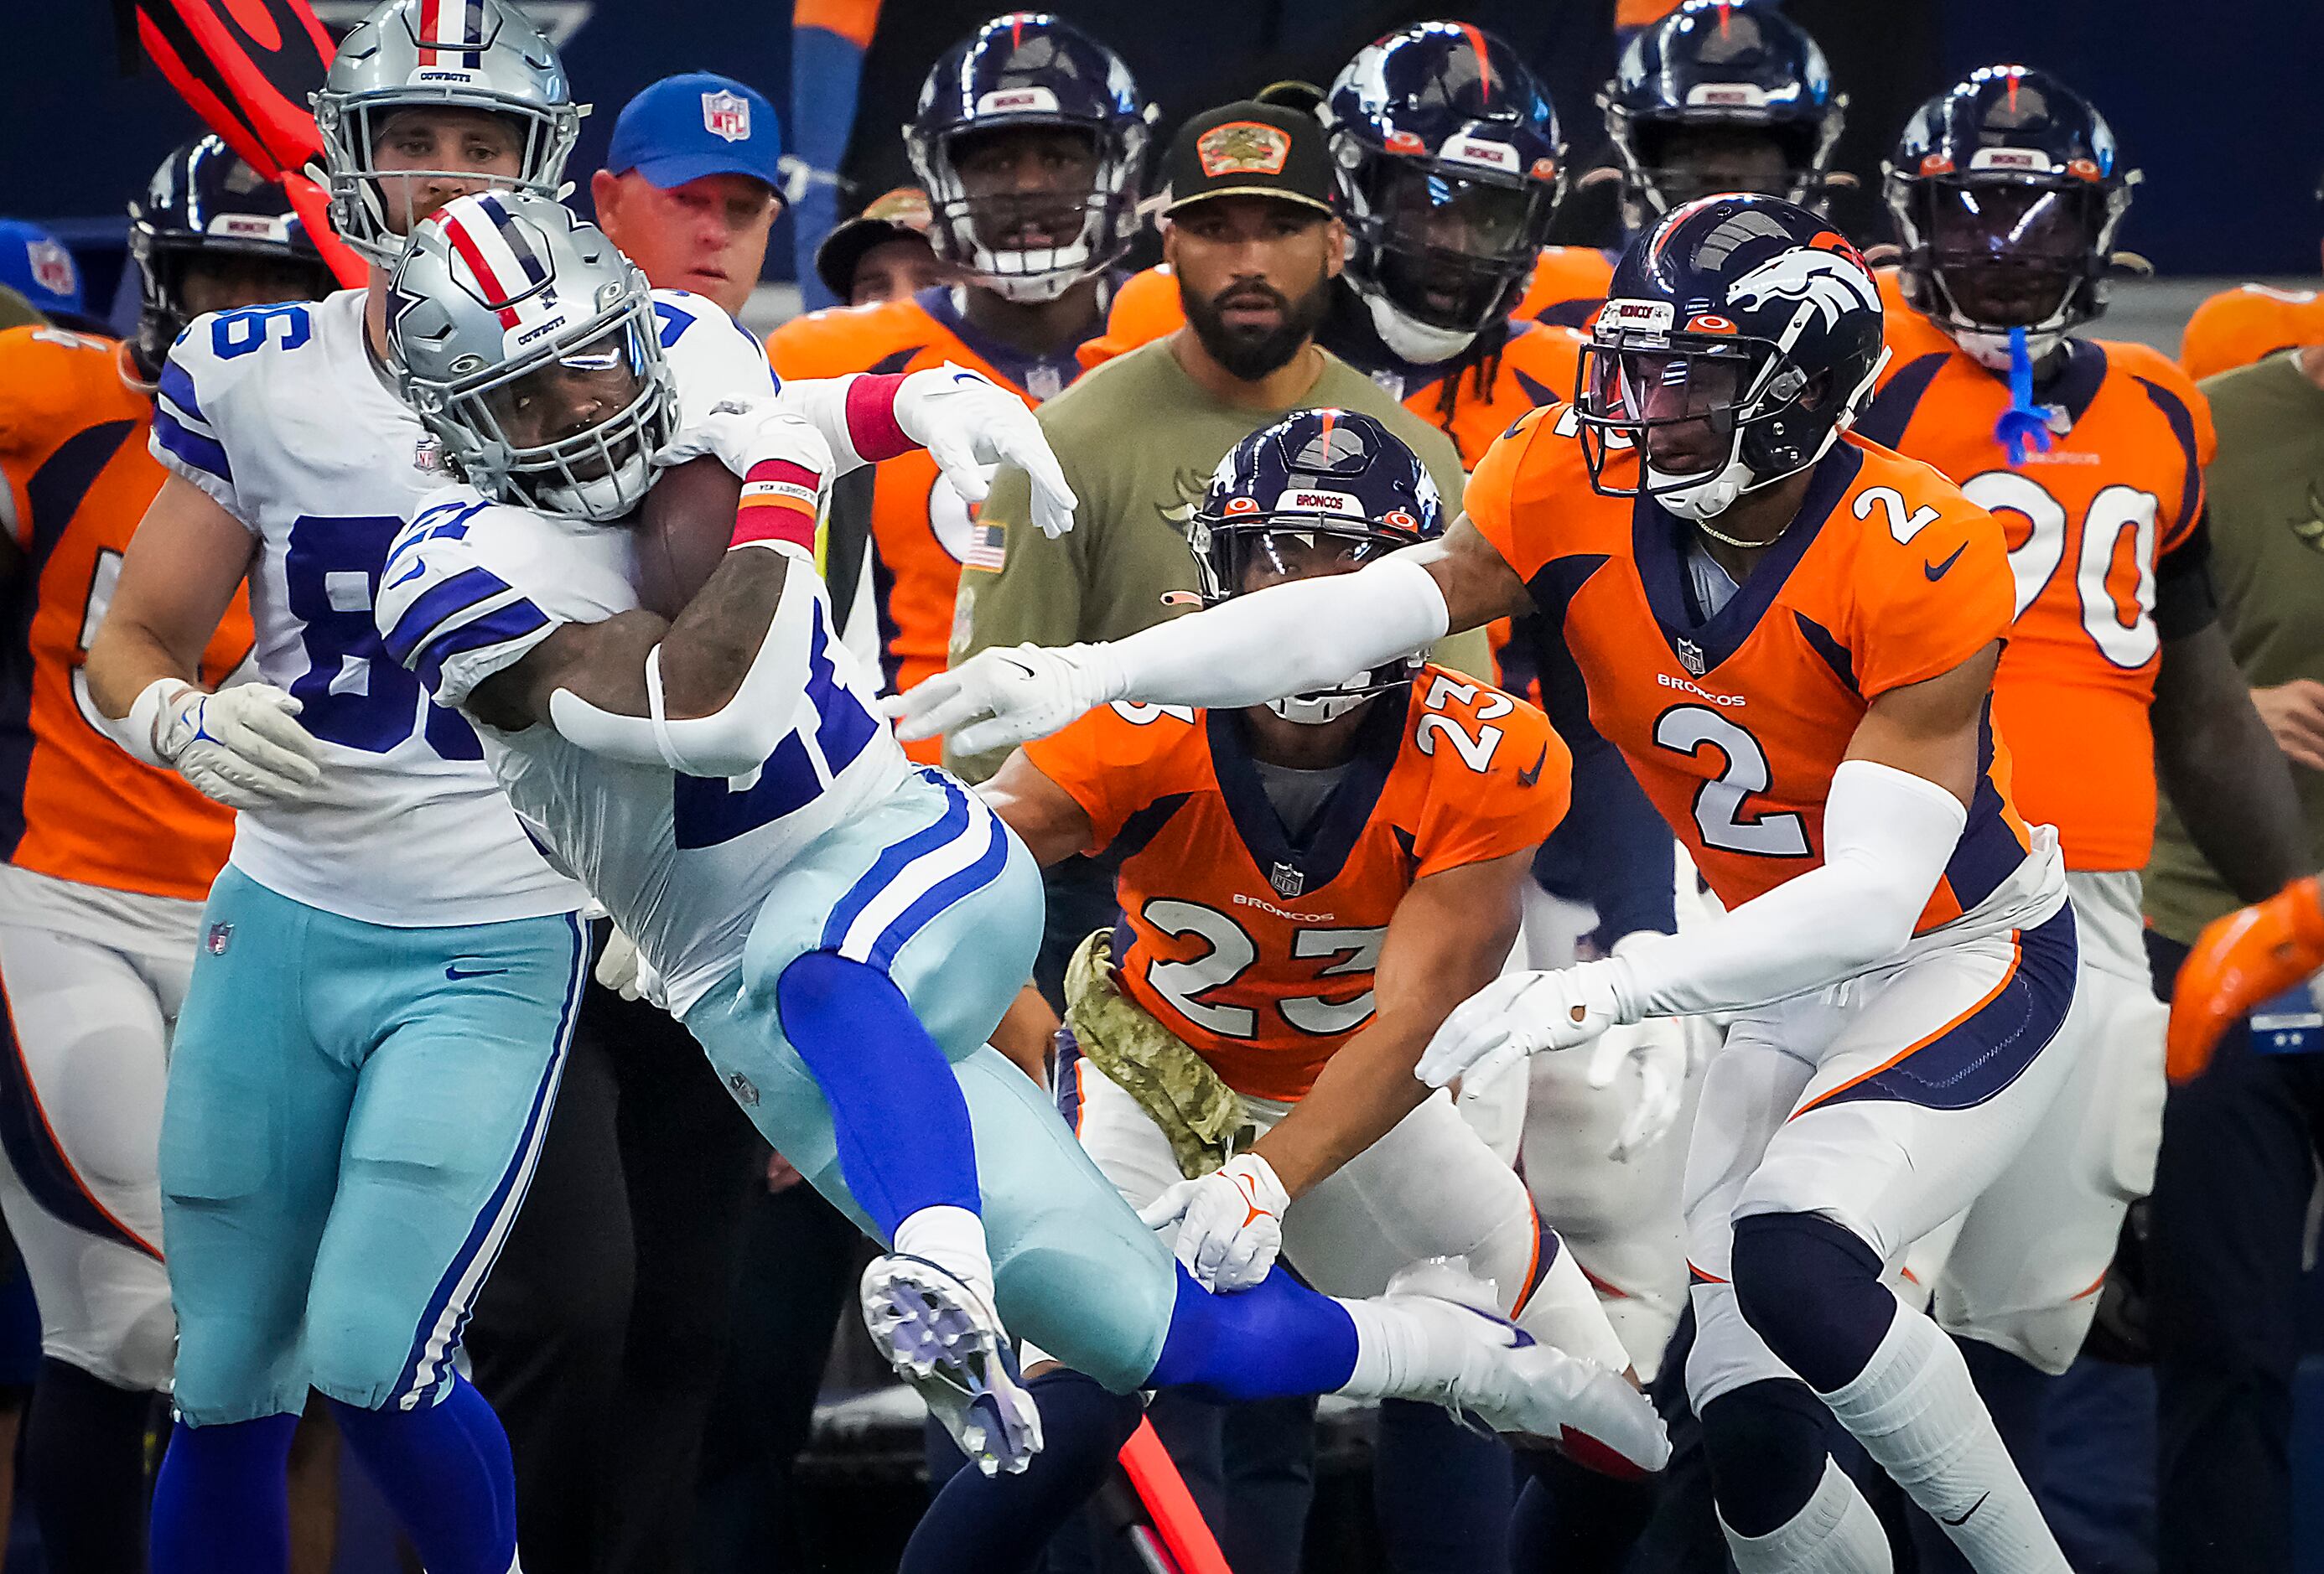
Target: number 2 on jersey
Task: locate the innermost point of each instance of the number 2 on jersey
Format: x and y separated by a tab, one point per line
1719	803
353	692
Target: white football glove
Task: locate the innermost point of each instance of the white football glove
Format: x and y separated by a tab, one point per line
1230	1222
238	746
997	699
971	426
1516	1015
621	970
1658	1048
741	433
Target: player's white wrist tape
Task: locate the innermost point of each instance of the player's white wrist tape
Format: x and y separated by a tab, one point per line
139	730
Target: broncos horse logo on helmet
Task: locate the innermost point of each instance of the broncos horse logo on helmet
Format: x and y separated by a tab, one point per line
1318	492
1822	281
1746	318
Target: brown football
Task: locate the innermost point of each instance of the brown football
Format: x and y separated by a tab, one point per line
682	529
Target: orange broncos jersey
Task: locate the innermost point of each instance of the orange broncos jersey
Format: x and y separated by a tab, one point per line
921	530
2238	326
1734	724
1568	286
72	803
2087	525
1536	366
1256	948
1905	333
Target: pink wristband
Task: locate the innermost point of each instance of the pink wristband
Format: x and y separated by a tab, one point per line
872	417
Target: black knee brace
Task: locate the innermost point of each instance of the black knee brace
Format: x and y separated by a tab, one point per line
1765	1445
1811	1289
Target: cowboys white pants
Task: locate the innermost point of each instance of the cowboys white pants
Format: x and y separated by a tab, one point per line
1886	1103
2022	1268
1429	1188
93	980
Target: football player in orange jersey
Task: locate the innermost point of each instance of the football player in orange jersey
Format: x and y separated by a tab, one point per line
1712	97
1791	635
107	860
1030	139
1306	887
1451	164
2007	190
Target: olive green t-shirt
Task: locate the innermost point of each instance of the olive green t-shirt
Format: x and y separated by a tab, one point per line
2266	504
1138	439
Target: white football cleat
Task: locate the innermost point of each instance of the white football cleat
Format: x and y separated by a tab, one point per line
1528	1390
942	1339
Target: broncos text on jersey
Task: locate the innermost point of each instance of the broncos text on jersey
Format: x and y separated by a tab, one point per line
1257	946
1734	724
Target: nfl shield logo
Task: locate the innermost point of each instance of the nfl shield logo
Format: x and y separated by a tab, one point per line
52	268
428	456
1690	654
727	115
1288	879
216	940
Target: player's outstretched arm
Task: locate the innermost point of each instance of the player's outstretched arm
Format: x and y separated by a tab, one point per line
1045	817
1285	640
1892	816
240	745
2223	771
1447	941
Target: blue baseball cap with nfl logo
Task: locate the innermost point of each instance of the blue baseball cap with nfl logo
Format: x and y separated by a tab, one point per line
36	265
682	128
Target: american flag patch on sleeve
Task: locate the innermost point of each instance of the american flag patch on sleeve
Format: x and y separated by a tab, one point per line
988	546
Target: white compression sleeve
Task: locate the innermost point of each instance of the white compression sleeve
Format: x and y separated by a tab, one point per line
822	403
1887	837
733	739
1286	639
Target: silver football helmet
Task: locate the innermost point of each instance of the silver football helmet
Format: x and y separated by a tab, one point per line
471	54
528	345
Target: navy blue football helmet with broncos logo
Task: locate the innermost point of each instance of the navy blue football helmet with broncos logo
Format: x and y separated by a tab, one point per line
1740	336
1319	491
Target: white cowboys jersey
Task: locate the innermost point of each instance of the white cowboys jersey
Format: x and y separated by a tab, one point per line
683	863
280	413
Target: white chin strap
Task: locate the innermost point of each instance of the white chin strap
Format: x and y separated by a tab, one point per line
1705	497
1416	342
1989	347
607	498
1312	710
1069	266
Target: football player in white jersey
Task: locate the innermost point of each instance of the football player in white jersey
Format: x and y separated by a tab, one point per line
377	1019
839	930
